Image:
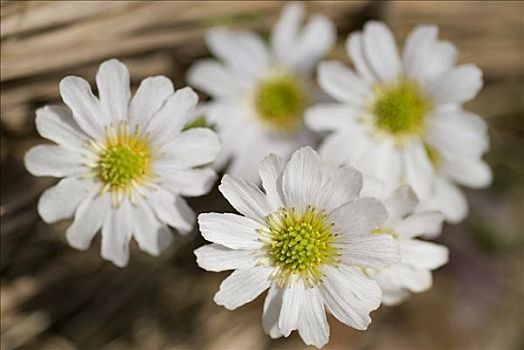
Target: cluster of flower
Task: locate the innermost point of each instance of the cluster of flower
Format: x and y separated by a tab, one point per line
338	229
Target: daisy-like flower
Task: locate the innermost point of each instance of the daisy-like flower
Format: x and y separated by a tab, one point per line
307	238
400	118
417	257
259	93
124	161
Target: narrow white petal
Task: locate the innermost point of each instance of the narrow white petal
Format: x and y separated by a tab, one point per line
60	201
344	185
331	117
215	257
334	149
151	235
419	172
418	47
271	313
423	255
458	85
312	324
245	197
414	280
469	172
457	133
192	148
350	296
358	217
56	123
77	95
167	123
293	302
393	290
116	234
371	250
302	179
188	182
355	50
381	51
214	78
270	171
286	30
112	80
173	210
317	38
243	50
401	202
243	286
230	230
423	223
89	218
55	161
149	98
342	84
449	199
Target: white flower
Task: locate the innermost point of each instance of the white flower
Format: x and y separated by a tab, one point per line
306	238
125	161
418	257
259	92
400	119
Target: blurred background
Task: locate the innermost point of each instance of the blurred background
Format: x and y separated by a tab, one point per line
55	297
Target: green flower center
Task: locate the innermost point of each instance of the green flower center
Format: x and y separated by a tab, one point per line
280	102
400	108
124	160
301	244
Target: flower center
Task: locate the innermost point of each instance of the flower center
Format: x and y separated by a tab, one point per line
280	102
124	160
400	109
300	244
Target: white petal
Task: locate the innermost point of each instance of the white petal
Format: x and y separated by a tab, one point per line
371	250
112	80
89	218
419	172
358	217
270	170
272	306
189	182
230	230
166	124
331	117
242	286
302	179
192	148
77	95
215	257
55	161
449	199
152	235
423	223
60	201
343	185
414	280
417	48
243	50
401	202
149	98
286	30
316	39
56	123
312	324
469	172
173	210
381	51
116	234
458	85
350	296
342	84
293	302
214	78
335	148
457	133
423	255
355	50
393	290
245	197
